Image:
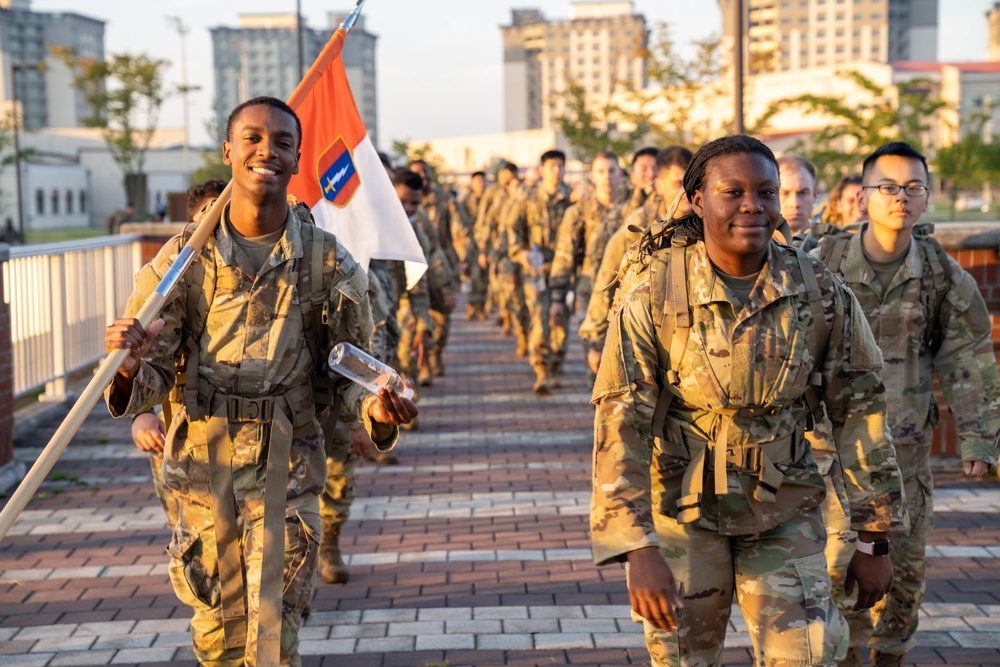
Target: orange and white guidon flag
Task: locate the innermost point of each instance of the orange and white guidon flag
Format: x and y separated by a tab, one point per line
343	181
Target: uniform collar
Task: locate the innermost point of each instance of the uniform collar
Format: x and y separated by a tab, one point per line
289	246
857	270
776	280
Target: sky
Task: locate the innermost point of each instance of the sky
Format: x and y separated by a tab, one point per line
439	62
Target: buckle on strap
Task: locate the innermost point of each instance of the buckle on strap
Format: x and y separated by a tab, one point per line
257	410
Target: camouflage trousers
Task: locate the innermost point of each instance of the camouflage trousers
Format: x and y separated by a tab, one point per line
510	297
840	545
406	351
167	501
546	341
194	573
779	580
442	328
480	283
335	501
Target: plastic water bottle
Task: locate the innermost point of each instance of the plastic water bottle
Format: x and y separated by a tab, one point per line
366	370
536	260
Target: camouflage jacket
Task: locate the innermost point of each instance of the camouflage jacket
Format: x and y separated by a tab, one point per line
439	276
576	248
484	225
453	227
253	346
755	359
594	327
903	324
534	219
470	206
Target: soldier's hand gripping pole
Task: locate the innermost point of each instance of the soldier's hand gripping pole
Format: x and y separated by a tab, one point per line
106	372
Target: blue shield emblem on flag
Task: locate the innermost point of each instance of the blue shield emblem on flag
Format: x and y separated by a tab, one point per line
338	176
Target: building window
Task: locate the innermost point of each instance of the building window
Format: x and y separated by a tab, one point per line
54	197
69	201
40	201
83	201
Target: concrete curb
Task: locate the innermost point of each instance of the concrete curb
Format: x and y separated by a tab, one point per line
11	475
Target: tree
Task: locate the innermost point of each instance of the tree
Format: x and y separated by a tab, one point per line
124	94
590	128
967	163
211	159
681	84
898	113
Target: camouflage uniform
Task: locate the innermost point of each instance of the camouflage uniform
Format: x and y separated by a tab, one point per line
741	378
903	320
455	237
594	328
505	276
252	349
580	245
477	297
415	315
483	229
533	221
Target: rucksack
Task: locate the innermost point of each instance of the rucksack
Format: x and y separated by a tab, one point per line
314	306
935	282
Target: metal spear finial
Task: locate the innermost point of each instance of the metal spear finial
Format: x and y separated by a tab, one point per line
352	18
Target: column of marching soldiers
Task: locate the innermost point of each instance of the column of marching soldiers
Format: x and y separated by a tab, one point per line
533	254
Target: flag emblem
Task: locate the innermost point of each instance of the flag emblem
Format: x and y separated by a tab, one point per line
338	176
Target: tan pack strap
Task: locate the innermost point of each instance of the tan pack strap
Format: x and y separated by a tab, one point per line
689	504
677	301
272	571
821	332
296	404
719	446
784	230
227	535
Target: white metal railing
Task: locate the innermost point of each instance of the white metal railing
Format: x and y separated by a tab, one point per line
61	298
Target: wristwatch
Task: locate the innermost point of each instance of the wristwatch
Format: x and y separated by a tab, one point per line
874	548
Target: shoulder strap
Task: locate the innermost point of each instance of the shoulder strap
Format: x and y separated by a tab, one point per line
200	279
313	301
933	295
820	332
672	316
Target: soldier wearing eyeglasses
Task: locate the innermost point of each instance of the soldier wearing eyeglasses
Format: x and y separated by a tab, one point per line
929	317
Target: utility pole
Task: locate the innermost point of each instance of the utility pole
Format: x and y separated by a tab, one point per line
298	34
17	150
738	67
182	31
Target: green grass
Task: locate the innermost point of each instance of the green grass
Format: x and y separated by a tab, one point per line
54	235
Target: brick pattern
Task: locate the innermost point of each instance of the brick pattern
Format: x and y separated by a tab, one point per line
471	552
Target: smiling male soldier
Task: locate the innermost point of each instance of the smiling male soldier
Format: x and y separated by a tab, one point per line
245	453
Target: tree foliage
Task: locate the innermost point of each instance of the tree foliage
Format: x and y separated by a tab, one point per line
592	127
967	163
896	113
125	94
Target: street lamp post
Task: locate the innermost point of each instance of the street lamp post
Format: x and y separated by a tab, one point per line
182	31
738	68
17	150
298	33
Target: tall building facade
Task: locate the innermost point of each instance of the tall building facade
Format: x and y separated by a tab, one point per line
993	38
598	47
44	86
790	35
260	57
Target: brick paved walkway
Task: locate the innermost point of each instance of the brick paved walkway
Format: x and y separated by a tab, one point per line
473	551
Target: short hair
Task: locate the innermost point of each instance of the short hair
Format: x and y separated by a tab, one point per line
266	101
478	173
606	154
648	151
385	160
791	160
897	148
673	156
553	154
199	192
735	144
410	179
509	166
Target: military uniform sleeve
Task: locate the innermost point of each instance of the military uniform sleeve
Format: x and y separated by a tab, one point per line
569	243
855	401
594	328
482	230
419	294
625	393
516	226
967	367
155	376
461	231
354	324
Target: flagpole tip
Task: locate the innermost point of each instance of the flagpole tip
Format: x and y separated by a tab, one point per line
352	18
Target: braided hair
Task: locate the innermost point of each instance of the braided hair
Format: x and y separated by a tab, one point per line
692	226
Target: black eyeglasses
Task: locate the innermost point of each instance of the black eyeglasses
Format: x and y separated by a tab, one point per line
893	189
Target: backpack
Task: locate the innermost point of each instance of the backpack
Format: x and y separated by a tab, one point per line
314	307
934	283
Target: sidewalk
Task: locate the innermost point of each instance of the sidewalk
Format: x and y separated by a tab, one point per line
473	551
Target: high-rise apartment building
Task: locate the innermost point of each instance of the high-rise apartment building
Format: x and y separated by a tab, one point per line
598	47
993	39
789	35
44	86
260	57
